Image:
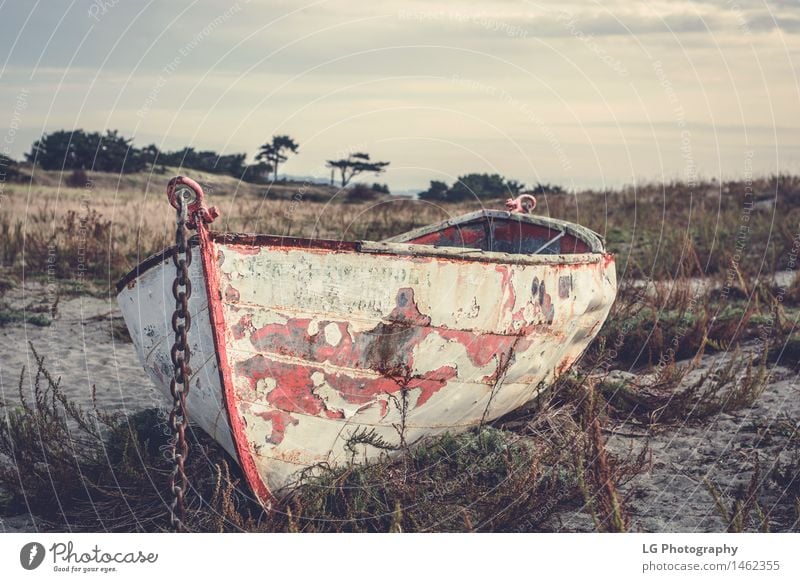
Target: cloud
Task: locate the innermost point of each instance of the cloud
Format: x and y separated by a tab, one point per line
339	72
768	22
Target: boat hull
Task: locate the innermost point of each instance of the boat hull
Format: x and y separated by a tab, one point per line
304	355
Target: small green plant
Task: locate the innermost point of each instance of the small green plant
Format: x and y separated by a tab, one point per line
9	316
744	510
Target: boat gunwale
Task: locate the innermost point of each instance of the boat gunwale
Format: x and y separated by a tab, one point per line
396	246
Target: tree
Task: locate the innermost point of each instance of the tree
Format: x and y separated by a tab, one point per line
481	186
232	164
514	187
273	152
112	153
150	154
547	189
9	169
354	164
437	192
207	160
78	150
55	150
257	173
361	193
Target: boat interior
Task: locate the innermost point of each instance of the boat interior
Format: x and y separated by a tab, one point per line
505	232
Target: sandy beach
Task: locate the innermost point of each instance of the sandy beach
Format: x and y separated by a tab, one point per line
81	347
672	496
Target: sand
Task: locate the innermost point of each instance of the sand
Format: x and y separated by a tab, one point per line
673	496
80	347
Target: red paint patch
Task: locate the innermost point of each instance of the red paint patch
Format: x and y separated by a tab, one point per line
279	420
432	382
294	388
387	348
482	348
406	310
363	391
506	287
243	327
292	339
466	235
231	294
246	250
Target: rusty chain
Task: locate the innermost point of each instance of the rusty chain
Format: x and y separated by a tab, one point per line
180	355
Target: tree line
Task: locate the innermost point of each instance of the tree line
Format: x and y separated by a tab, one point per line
482	187
112	152
79	150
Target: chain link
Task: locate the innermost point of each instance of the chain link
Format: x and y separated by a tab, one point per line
180	355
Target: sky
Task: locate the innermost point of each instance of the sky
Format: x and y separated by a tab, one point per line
582	94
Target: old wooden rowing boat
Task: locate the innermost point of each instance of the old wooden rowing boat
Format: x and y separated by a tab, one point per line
316	351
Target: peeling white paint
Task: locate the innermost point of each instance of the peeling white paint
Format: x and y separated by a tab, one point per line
317	340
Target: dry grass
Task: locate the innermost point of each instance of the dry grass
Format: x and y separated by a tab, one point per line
785	473
743	511
688	235
599	474
670	397
100	234
85	470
